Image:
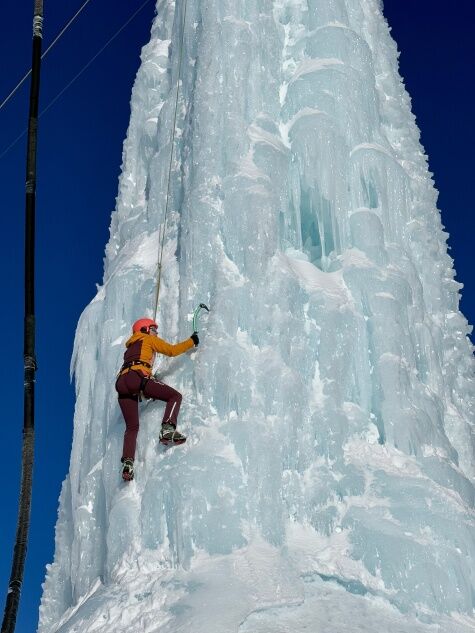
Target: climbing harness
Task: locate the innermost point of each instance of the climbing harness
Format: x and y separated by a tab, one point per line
172	144
24	506
132	363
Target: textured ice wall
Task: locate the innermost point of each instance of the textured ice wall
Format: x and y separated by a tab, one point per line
329	407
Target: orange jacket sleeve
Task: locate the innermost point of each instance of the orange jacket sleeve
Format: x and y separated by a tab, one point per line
162	347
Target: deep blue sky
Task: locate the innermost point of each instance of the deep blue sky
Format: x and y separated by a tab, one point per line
80	147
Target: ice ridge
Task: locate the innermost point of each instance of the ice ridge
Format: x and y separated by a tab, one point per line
328	478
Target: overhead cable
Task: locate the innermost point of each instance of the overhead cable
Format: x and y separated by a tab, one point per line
83	69
60	34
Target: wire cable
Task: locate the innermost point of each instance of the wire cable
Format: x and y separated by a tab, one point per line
83	69
93	59
58	37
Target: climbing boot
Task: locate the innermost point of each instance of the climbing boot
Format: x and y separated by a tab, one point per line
169	435
128	469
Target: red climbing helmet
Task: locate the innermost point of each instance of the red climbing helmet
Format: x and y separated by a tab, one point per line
143	325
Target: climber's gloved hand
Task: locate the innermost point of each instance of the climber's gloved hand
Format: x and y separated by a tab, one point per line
195	339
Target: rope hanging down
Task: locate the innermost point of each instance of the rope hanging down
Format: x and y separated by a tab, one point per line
24	506
172	144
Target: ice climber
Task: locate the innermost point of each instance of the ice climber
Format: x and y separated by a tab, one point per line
135	379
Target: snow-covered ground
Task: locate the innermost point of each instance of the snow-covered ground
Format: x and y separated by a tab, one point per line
327	481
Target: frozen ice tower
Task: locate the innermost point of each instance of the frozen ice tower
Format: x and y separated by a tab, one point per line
327	484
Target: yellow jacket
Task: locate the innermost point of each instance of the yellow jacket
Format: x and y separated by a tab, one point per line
143	347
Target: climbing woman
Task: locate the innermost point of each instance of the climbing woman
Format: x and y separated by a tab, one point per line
135	379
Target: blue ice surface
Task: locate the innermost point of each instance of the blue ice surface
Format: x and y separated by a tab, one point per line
328	474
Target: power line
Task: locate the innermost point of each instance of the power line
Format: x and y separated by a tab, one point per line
83	69
60	34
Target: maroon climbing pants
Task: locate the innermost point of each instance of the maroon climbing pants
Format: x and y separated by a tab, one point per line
128	387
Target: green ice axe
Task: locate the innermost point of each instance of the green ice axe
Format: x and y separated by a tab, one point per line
196	314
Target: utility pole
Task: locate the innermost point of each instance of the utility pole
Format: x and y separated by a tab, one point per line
24	506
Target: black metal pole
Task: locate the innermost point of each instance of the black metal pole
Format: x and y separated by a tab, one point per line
24	506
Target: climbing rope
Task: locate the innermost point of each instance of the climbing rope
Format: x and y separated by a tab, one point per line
58	37
172	144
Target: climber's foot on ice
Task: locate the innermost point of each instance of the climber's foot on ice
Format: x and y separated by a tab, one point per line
169	435
128	469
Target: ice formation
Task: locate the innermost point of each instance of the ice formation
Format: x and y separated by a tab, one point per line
327	482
